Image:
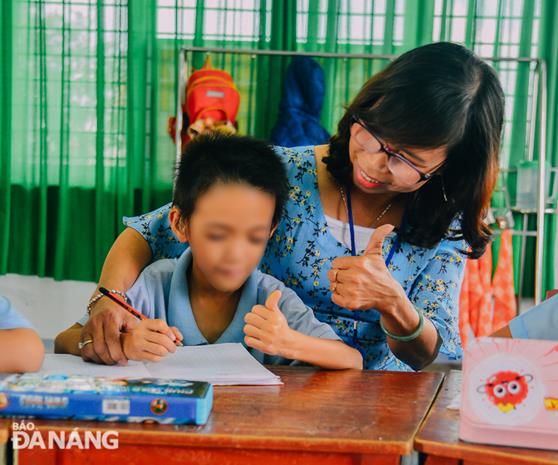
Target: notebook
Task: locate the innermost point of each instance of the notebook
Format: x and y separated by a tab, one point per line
510	393
220	364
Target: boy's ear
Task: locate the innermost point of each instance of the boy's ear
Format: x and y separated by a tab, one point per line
178	225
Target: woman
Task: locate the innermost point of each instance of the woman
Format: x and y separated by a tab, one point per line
417	150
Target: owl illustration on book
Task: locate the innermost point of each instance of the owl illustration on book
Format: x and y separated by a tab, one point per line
506	389
509	380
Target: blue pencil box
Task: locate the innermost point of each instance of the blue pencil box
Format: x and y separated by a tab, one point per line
136	400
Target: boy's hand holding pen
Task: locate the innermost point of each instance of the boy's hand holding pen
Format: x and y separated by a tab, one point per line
151	339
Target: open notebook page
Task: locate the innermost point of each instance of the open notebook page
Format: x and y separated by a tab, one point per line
59	364
227	363
224	364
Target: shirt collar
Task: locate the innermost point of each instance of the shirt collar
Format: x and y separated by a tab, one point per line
180	313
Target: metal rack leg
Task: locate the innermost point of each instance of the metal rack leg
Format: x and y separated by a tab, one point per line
523	247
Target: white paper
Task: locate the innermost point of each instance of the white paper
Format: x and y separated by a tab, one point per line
59	364
218	363
224	364
455	402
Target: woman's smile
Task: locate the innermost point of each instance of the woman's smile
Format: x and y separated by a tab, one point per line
365	180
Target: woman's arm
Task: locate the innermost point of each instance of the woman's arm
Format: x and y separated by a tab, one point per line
148	237
364	282
21	350
401	319
127	257
435	293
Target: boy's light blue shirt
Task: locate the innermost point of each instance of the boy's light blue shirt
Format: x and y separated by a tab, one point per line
161	291
10	318
541	322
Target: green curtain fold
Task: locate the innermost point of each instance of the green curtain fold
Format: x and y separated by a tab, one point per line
548	50
6	34
87	88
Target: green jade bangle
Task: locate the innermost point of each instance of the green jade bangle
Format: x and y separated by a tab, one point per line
410	337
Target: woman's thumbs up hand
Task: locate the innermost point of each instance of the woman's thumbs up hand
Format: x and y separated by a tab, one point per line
364	282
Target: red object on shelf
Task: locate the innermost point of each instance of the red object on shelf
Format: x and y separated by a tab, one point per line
211	103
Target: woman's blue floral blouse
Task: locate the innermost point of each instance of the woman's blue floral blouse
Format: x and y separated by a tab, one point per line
302	249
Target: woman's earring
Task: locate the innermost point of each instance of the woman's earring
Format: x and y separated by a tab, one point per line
444	189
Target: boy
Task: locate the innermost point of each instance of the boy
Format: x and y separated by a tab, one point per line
228	198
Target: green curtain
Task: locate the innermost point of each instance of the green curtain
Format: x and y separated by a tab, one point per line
5	127
88	86
77	150
508	28
548	49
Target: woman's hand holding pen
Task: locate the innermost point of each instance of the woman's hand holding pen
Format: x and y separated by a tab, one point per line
106	323
150	340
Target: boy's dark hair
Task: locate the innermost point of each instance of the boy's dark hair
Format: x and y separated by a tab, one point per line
216	158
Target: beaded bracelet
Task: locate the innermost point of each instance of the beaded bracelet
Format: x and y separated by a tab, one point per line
98	297
410	337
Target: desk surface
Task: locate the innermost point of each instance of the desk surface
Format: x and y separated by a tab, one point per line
438	437
322	411
4	431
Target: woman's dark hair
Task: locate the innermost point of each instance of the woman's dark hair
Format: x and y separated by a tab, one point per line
211	159
437	95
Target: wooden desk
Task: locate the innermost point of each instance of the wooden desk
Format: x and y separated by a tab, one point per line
4	431
438	438
4	438
317	417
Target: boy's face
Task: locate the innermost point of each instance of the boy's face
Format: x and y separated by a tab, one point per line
227	233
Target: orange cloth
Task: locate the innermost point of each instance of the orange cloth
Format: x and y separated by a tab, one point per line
487	303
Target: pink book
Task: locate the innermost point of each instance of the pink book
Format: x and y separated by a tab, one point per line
510	393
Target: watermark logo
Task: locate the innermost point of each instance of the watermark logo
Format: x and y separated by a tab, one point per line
26	436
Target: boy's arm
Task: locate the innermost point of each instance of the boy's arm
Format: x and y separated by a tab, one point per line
67	341
325	353
268	331
21	350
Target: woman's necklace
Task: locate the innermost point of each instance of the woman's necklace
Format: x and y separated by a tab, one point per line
378	218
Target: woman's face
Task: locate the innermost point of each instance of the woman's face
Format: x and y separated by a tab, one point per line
374	171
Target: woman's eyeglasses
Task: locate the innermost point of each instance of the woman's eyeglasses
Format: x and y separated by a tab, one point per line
399	166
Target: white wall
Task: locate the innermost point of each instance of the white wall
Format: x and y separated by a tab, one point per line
50	305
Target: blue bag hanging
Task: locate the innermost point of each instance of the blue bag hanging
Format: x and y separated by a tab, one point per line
298	122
